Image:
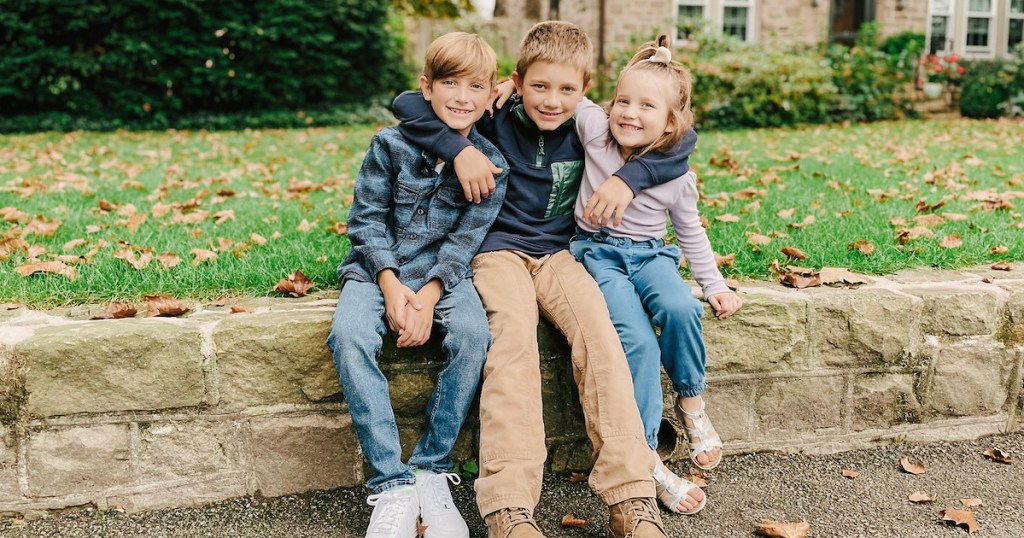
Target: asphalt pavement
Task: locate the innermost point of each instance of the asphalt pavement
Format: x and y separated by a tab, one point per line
742	491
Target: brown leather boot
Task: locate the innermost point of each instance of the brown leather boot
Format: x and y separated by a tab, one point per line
635	518
512	523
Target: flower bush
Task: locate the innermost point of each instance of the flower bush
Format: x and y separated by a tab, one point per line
942	69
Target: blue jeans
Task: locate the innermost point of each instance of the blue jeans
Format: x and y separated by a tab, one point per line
641	284
356	338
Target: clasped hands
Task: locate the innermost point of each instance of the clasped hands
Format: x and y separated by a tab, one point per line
409	313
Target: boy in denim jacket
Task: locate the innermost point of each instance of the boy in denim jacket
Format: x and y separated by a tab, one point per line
524	270
413	236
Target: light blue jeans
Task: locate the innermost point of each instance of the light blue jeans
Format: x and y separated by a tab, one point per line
356	339
641	284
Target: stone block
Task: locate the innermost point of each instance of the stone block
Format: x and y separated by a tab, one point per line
731	408
273	358
851	328
204	490
104	366
312	452
466	445
74	460
10	491
958	312
971	377
790	407
410	391
884	400
766	335
563	414
570	456
174	450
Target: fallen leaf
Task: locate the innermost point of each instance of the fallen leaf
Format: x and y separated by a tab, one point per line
304	226
728	217
758	239
841	275
898	221
258	239
732	284
1001	266
221	216
421	529
786	213
134	222
568	520
579	477
951	241
778	529
954	216
117	311
1000	249
971	503
912	467
997	455
799	281
57	268
340	228
202	255
850	474
725	261
168	259
923	205
962	518
239	309
164	306
921	497
794	252
219	302
865	247
73	244
138	260
296	285
929	220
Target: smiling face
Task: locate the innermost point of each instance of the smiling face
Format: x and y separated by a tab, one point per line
640	112
551	92
458	100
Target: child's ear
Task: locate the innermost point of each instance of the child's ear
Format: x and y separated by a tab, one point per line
425	87
518	81
670	127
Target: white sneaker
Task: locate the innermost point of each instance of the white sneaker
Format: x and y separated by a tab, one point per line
395	512
437	509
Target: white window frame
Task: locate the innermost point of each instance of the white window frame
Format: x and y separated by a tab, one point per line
714	14
749	5
705	9
1011	16
950	29
993	33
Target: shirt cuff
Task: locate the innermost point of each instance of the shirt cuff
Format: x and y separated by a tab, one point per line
379	261
449	274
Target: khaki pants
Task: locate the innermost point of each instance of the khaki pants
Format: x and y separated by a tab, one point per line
515	289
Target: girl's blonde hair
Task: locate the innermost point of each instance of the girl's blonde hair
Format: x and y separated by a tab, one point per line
656	57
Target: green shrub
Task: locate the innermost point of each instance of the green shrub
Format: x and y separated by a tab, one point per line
870	88
986	86
159	60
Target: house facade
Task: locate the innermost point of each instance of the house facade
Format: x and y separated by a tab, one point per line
980	29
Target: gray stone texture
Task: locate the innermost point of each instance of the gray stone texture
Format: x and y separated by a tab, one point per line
731	409
105	366
768	334
63	461
174	450
272	358
295	454
970	377
958	312
881	401
10	491
803	406
857	328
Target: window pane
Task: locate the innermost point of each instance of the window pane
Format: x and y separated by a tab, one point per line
980	5
1016	33
938	42
977	32
1017	6
687	13
734	22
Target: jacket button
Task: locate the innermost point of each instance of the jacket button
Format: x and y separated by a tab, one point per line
413	237
420	211
402	259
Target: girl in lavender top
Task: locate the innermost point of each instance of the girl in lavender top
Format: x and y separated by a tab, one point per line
638	273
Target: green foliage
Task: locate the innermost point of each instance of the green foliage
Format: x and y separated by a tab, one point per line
911	42
986	87
434	9
870	87
468	470
159	60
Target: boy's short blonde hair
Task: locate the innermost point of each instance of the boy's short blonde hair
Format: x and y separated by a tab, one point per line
556	42
458	54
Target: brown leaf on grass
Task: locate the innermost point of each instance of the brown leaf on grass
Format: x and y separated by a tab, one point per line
57	268
847	473
786	213
569	520
929	220
912	467
794	252
73	244
778	529
224	244
117	310
732	284
923	205
304	226
92	228
258	239
239	309
296	285
219	301
221	216
951	241
920	497
725	261
971	503
42	227
340	228
904	236
799	281
579	477
1001	266
755	240
752	207
728	217
999	456
202	255
955	216
960	518
134	222
13	214
898	221
138	260
864	247
748	193
998	249
164	306
168	259
841	275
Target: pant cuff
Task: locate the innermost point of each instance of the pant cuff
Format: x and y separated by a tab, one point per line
690	392
493	504
644	489
391	484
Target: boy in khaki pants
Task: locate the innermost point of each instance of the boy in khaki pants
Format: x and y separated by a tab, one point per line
524	270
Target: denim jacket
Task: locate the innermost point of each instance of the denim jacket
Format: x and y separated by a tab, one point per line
407	217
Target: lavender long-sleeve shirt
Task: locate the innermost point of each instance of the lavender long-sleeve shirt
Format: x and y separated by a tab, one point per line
645	217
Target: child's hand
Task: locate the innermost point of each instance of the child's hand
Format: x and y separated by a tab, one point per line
476	174
397	299
725	304
611	198
418	323
505	92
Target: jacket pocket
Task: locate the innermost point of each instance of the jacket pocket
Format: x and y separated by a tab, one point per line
446	207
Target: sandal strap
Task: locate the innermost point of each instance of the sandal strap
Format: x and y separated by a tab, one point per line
672	489
699	436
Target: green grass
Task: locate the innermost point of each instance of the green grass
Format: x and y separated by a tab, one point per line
828	172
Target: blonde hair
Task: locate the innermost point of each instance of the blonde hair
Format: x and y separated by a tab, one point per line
458	54
556	42
656	57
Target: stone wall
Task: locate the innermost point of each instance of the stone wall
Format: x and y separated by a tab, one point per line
152	413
